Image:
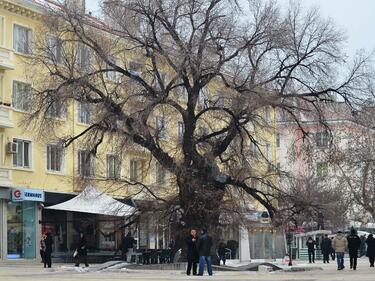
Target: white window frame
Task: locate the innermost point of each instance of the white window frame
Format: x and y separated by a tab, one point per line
203	97
319	169
268	151
18	102
161	174
90	161
29	39
86	120
83	57
116	166
30	154
161	127
180	131
3	31
278	140
322	139
49	161
55	51
138	169
57	110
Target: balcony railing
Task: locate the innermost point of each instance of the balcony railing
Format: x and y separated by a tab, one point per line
5	176
6	120
6	59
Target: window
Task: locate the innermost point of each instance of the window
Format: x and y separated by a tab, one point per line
22	96
112	75
267	116
22	39
136	69
220	100
181	90
277	140
83	57
322	139
254	149
113	167
136	170
23	156
54	49
160	174
268	152
84	115
86	163
2	31
161	128
203	98
56	110
55	155
157	83
322	169
180	131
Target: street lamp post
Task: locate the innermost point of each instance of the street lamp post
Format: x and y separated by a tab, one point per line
289	240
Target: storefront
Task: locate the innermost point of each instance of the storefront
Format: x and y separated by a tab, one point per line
20	213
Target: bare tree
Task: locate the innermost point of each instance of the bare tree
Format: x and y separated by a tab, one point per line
217	68
356	164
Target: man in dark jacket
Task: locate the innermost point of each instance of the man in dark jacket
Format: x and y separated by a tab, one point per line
326	247
204	250
192	252
354	242
310	244
48	250
127	243
82	250
370	241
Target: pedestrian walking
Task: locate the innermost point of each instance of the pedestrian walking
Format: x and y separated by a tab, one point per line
42	247
310	243
128	242
221	252
192	252
340	244
354	242
204	250
82	251
333	254
362	248
370	253
326	247
48	251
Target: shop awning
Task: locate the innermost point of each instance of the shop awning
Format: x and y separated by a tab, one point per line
93	201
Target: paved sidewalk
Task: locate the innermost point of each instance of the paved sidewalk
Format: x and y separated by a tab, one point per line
34	272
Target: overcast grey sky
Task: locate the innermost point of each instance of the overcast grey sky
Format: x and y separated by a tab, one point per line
355	17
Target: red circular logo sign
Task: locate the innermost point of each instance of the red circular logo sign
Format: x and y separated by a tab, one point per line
17	193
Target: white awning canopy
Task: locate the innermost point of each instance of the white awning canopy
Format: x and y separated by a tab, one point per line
93	201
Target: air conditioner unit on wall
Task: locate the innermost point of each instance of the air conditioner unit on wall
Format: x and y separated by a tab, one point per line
12	148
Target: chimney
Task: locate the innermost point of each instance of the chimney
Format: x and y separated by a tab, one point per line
76	5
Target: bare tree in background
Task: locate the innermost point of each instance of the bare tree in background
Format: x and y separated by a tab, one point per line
257	58
356	165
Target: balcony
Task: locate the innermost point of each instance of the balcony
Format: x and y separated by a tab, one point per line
6	120
6	59
5	176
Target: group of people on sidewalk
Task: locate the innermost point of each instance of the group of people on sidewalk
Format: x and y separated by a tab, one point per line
339	245
80	253
199	252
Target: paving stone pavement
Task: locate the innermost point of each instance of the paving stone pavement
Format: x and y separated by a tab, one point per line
24	271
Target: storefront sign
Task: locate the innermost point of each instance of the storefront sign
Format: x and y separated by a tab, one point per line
19	195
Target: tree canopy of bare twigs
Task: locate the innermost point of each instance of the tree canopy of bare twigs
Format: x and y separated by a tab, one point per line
213	66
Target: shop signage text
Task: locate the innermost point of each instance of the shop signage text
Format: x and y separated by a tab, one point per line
27	195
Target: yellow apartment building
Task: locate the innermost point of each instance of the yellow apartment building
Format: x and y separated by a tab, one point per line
36	171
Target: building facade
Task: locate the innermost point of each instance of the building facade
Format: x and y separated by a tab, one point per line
37	172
